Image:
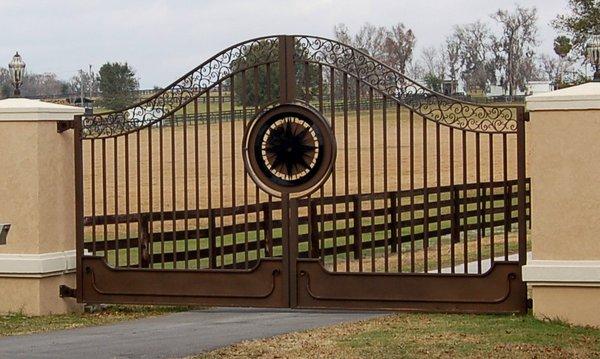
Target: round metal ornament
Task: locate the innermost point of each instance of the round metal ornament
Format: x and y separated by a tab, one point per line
289	148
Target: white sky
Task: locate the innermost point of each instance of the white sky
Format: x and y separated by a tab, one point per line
164	39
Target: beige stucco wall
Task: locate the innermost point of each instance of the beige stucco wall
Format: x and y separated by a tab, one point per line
37	197
576	305
37	187
36	296
564	165
565	172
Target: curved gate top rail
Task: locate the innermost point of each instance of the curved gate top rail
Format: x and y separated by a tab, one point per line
310	49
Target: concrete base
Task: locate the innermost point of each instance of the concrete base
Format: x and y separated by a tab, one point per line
37	296
575	305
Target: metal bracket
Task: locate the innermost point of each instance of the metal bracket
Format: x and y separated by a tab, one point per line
64	291
62	126
526	116
529	303
4	228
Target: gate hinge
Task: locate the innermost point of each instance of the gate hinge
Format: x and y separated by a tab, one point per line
526	116
62	126
64	291
529	303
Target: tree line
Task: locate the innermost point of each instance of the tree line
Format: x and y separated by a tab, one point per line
115	82
476	56
472	54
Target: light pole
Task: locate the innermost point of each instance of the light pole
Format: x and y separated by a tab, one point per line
592	50
17	69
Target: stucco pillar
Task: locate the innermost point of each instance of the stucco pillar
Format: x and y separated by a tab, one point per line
37	200
564	167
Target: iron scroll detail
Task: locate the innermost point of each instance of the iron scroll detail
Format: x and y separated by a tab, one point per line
407	92
184	90
430	104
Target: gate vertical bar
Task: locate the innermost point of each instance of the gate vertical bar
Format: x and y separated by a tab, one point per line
78	146
287	81
287	94
292	251
521	182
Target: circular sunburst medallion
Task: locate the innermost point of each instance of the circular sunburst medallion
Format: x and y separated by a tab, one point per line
289	149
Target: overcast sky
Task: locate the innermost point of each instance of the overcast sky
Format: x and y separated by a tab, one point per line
164	39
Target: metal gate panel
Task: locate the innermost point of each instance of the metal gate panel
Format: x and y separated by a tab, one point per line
295	171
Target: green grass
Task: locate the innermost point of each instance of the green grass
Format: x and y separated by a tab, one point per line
430	336
192	244
473	336
19	324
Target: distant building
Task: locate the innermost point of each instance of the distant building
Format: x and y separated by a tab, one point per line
535	87
531	88
449	87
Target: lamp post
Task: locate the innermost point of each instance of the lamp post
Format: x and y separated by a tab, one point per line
17	69
592	50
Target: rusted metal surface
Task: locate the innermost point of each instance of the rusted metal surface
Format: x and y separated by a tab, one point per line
260	287
499	290
295	171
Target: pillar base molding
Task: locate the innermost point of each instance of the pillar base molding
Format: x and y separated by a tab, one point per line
566	273
37	265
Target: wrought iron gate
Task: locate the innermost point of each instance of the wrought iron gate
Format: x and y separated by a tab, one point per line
295	171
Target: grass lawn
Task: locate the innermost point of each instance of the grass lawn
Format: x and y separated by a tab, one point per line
428	336
19	324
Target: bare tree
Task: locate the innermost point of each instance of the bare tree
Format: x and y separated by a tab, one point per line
43	85
342	34
371	39
515	47
399	44
558	69
5	83
415	70
474	54
434	65
85	83
452	54
393	46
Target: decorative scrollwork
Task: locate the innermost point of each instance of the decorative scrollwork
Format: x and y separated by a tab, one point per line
430	104
182	91
290	148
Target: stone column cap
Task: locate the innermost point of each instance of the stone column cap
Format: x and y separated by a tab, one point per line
581	97
28	110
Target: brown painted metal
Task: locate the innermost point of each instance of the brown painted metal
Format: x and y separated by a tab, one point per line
497	291
173	210
260	287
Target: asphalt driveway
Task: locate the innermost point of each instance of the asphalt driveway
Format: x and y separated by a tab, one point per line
171	336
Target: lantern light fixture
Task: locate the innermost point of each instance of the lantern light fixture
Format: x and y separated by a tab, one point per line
17	71
592	50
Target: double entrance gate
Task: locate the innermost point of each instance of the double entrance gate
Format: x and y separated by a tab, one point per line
295	171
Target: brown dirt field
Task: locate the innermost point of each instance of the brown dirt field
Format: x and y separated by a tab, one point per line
221	145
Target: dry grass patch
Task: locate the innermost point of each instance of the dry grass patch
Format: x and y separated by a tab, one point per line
426	336
19	324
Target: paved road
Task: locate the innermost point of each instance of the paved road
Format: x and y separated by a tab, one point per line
171	336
